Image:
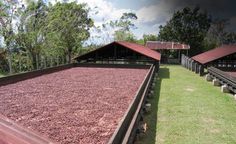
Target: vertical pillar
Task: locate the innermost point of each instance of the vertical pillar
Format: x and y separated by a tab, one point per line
189	64
201	70
179	56
195	67
185	61
192	63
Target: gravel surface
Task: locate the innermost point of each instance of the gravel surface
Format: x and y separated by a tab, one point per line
77	105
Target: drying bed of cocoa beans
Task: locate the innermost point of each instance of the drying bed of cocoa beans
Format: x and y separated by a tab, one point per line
77	105
233	74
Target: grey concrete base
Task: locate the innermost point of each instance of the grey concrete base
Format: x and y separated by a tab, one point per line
150	94
208	77
142	127
148	107
216	82
153	85
225	89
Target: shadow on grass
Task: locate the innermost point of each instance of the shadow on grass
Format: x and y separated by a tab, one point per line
151	118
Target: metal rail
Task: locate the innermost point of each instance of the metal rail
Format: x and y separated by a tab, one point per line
126	131
223	77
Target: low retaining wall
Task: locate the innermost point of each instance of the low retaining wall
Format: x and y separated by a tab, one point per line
27	75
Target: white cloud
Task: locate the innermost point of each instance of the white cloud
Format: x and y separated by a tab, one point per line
147	14
154	13
103	11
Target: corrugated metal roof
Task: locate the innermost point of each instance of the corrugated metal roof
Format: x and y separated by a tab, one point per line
158	45
141	49
215	54
132	46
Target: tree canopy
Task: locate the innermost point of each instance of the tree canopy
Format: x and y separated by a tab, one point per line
38	29
124	26
188	26
68	24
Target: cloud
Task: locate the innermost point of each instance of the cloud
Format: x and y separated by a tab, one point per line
153	13
151	16
218	9
103	11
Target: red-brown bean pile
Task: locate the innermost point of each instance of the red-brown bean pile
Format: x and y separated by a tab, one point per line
233	74
77	105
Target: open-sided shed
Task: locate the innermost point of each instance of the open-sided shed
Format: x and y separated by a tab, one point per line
223	57
165	48
121	52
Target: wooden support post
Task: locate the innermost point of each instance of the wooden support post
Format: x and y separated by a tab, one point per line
179	56
189	64
193	66
185	61
201	70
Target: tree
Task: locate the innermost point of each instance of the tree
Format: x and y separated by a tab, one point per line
30	36
188	26
217	35
149	37
68	26
7	14
124	26
230	38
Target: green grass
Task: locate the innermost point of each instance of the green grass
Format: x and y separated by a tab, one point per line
188	110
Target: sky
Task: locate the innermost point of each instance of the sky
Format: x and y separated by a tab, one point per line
152	13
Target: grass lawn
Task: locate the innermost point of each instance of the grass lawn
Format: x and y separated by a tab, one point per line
188	110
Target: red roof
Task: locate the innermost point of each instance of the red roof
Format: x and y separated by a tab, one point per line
215	54
132	46
157	45
141	49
